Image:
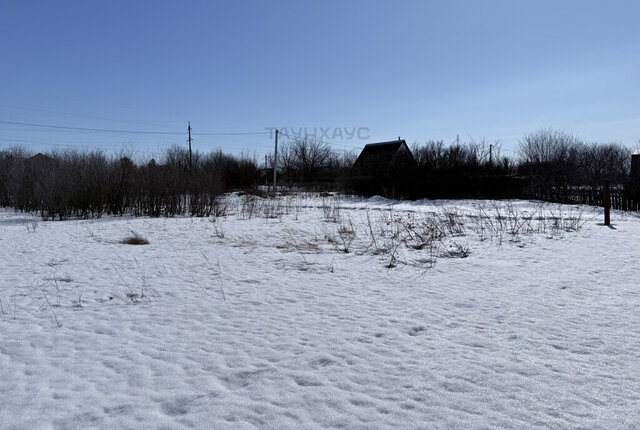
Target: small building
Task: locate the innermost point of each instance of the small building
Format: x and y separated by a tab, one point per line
40	163
40	158
379	158
386	168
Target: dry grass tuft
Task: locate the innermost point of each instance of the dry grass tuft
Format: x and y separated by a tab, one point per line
134	239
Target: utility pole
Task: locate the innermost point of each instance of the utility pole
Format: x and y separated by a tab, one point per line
190	160
275	165
491	154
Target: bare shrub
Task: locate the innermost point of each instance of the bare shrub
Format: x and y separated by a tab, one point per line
438	232
219	207
273	208
347	234
391	231
331	209
422	233
452	220
341	237
218	230
372	235
250	206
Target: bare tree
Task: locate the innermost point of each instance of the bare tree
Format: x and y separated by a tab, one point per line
547	146
309	156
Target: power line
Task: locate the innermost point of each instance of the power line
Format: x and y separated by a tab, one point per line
151	132
83	142
104	130
346	146
138	132
99	130
288	138
232	134
69	114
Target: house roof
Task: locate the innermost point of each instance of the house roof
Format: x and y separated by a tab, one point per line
384	146
383	152
39	158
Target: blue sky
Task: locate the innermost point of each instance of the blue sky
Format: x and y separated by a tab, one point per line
416	69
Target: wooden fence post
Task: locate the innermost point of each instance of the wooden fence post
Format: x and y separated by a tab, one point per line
607	204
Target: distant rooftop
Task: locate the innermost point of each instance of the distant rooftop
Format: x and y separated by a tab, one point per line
390	142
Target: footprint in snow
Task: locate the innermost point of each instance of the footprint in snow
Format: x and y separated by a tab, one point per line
182	404
415	330
323	361
307	382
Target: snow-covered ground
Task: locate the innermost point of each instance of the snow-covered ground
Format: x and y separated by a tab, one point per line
509	315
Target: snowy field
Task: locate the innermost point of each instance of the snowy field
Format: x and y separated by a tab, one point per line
456	314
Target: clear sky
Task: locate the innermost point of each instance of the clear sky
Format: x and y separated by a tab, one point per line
416	69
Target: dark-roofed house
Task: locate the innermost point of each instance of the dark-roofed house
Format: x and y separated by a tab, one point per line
376	158
40	158
39	162
385	167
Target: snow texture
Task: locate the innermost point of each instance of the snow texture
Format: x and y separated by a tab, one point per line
258	321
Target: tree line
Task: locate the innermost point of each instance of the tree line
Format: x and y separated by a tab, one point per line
88	184
549	164
72	183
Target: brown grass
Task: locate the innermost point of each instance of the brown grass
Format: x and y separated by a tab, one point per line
134	239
